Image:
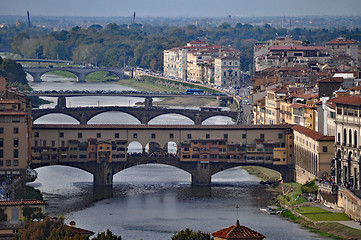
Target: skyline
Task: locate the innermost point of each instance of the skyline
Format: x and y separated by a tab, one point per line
176	8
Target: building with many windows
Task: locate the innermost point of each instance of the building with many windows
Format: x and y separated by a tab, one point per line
347	162
14	134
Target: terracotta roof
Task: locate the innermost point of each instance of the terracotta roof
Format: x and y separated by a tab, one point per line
79	230
237	232
341	40
348	100
22	202
9	101
296	48
332	79
312	134
358	88
197	42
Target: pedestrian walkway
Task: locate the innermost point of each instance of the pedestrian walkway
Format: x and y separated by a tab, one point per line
351	224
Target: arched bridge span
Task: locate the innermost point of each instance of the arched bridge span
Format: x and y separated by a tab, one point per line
144	115
80	73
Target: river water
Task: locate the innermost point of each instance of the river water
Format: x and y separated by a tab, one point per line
154	201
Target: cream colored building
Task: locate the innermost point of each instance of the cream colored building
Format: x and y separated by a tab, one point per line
347	163
343	46
227	71
313	154
273	99
14	133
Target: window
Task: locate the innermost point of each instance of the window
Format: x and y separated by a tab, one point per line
44	143
1	142
52	143
16	162
207	136
16	153
261	136
16	142
61	134
171	135
99	135
280	135
1	163
116	135
36	134
16	130
1	153
225	136
244	136
80	135
224	74
324	149
8	163
189	136
35	143
153	135
135	135
1	130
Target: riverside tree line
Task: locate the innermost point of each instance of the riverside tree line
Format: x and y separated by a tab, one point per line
137	45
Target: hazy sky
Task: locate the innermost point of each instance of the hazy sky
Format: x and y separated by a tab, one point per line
187	8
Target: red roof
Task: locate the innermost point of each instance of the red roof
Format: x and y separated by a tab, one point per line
79	230
237	232
358	88
197	42
296	48
312	134
299	105
348	100
22	202
341	40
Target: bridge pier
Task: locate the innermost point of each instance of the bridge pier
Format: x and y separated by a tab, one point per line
61	102
81	77
103	175
148	102
36	76
202	176
145	119
197	119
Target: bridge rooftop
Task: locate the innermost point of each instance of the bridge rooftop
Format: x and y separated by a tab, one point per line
160	127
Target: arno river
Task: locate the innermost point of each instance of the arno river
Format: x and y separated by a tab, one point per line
154	201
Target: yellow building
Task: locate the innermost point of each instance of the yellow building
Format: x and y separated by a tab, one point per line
314	154
15	127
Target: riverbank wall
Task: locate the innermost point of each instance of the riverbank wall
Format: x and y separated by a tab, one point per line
341	198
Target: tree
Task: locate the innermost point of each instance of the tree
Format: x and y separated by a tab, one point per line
47	229
188	234
13	71
107	236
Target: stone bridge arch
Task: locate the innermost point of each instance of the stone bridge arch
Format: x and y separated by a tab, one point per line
93	115
69	114
160	114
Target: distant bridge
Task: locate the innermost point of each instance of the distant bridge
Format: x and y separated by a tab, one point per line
41	60
144	115
80	73
147	95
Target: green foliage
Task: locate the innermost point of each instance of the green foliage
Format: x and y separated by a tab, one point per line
3	216
32	213
13	71
114	44
310	187
188	234
47	230
32	193
290	215
107	236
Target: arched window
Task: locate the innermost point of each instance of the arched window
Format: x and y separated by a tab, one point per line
344	136
350	137
355	138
